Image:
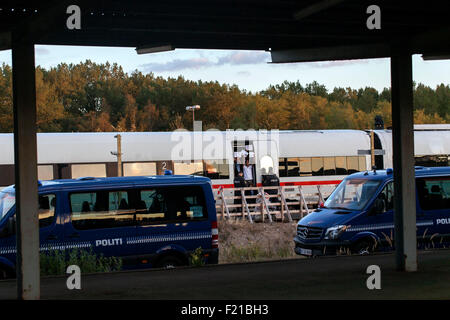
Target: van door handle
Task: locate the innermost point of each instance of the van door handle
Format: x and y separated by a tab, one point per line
52	237
74	235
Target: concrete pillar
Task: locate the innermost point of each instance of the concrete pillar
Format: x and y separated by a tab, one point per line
403	151
25	159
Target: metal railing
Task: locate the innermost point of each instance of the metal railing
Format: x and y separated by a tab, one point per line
278	203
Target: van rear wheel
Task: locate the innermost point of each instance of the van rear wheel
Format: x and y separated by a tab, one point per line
169	262
363	247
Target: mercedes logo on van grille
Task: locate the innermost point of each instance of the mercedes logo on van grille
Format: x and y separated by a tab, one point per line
309	233
303	232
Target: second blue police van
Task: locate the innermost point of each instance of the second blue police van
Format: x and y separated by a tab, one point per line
146	221
358	216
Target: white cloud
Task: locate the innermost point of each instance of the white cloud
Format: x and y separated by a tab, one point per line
230	59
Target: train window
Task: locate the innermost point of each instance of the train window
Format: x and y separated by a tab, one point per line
46	211
282	167
434	193
101	209
341	166
317	166
6	175
188	167
216	169
305	166
139	169
88	170
293	167
352	164
329	166
362	163
45	172
433	160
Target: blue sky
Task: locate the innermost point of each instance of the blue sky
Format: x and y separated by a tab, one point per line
249	70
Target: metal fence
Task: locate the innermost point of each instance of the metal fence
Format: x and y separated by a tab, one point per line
282	203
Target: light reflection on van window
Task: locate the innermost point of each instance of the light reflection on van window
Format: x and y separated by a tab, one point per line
352	194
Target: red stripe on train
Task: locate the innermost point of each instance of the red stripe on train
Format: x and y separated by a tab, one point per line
288	183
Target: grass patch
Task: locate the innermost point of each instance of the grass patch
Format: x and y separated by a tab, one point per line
241	241
55	262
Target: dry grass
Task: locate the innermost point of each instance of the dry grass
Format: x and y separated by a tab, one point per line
241	241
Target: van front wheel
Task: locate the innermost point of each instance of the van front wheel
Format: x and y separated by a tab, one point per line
169	262
363	247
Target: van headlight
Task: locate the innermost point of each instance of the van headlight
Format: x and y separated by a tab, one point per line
334	232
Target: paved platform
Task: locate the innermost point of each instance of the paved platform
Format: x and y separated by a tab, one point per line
322	278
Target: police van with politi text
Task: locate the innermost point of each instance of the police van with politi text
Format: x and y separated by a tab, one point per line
146	221
358	216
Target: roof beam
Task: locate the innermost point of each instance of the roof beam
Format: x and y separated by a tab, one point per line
315	8
362	51
435	42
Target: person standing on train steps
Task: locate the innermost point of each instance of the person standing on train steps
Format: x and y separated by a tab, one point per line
248	173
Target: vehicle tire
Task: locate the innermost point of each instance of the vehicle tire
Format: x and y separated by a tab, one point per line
5	274
363	247
169	262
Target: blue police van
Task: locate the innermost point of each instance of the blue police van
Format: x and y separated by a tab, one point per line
358	216
146	221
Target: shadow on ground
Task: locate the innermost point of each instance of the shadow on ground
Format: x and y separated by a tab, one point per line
341	277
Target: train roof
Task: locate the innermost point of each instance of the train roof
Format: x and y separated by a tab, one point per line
97	147
432	127
112	182
426	142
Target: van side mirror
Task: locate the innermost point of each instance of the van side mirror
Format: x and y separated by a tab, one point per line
377	208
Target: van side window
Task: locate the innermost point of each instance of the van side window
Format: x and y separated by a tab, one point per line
387	195
151	207
170	204
101	209
46	210
190	203
434	193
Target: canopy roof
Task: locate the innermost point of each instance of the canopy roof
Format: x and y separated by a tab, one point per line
237	24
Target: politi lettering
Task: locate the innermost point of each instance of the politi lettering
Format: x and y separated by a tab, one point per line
108	242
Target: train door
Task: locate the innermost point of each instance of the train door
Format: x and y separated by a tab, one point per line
267	159
262	155
244	153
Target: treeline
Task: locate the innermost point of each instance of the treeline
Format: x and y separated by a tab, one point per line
102	97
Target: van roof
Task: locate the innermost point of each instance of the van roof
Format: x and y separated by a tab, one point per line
88	182
388	173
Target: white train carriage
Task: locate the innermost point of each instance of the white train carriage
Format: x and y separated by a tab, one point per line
431	146
307	157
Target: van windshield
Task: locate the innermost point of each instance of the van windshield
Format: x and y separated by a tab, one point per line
7	201
352	194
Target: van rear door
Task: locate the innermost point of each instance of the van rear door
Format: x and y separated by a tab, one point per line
172	218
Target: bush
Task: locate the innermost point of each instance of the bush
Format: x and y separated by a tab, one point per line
55	262
196	258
